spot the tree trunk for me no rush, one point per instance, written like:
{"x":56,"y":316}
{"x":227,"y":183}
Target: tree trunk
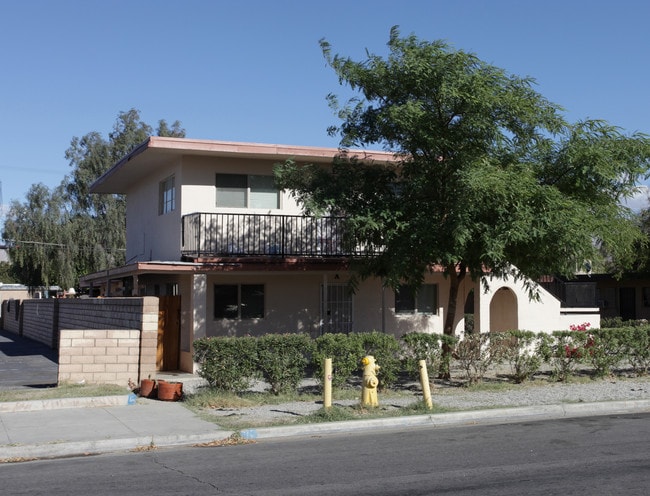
{"x":456,"y":276}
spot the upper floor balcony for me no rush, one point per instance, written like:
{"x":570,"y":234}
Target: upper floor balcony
{"x":256,"y":235}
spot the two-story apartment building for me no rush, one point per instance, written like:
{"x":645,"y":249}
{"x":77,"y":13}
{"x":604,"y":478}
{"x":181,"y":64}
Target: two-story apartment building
{"x":229,"y":254}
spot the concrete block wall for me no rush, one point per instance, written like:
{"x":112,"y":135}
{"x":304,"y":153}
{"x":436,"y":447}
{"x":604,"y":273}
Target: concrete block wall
{"x":100,"y":340}
{"x":106,"y":356}
{"x":11,"y":312}
{"x":108,"y":340}
{"x":149,"y":337}
{"x":102,"y":313}
{"x":39,"y":321}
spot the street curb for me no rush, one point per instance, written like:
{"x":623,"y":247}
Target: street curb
{"x":478,"y":417}
{"x":59,"y":403}
{"x":97,"y":447}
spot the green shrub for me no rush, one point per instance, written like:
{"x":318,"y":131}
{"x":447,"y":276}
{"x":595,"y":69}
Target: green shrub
{"x":637,"y":340}
{"x":385,"y":348}
{"x":420,"y":346}
{"x":282,"y":359}
{"x":611,"y":322}
{"x":618,"y":322}
{"x":605,"y":349}
{"x":345,"y":353}
{"x":477,"y":352}
{"x":520,"y":350}
{"x":227,"y":364}
{"x":563,"y":350}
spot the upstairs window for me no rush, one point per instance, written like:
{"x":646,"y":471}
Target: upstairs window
{"x":422,"y":300}
{"x":167,"y":196}
{"x":247,"y":191}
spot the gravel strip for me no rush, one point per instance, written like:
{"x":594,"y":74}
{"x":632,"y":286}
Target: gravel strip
{"x":460,"y":398}
{"x":547,"y":394}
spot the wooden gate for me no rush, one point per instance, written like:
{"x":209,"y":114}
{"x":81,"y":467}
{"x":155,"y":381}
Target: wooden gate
{"x":169,"y":333}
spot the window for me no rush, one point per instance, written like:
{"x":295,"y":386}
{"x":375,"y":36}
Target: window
{"x":167,"y":196}
{"x":422,"y":300}
{"x":238,"y":301}
{"x":242,"y":191}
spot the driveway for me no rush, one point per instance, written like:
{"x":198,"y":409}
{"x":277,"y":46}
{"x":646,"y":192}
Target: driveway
{"x":25,"y":363}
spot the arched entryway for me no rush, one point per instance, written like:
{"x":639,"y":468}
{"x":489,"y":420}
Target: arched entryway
{"x":503,"y":310}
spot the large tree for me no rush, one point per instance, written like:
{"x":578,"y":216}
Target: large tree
{"x":34,"y":230}
{"x":56,"y":236}
{"x":488,"y":177}
{"x":102,"y":246}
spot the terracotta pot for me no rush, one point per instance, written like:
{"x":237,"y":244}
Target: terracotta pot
{"x":170,"y":391}
{"x":148,"y":388}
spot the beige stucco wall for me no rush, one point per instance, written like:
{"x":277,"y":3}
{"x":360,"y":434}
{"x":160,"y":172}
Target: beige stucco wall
{"x":293,"y":304}
{"x":199,"y":174}
{"x":151,"y":236}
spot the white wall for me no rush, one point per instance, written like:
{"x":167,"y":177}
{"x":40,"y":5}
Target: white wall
{"x":150,"y":236}
{"x":542,"y":315}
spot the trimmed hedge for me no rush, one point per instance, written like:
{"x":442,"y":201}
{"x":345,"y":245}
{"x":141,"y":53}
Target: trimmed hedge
{"x":281,"y":359}
{"x":346,"y":354}
{"x":227,"y":364}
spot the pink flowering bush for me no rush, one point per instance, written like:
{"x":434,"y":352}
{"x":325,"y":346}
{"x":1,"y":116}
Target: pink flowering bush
{"x":563,"y":350}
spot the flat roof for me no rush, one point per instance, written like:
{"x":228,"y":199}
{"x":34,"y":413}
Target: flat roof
{"x":156,"y":151}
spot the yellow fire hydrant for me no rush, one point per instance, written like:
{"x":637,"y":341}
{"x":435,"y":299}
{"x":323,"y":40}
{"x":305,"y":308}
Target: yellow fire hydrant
{"x":369,"y":382}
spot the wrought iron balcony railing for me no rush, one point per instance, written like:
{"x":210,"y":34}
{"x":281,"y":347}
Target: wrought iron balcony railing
{"x":240,"y":235}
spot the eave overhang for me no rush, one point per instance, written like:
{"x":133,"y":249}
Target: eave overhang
{"x":157,"y":151}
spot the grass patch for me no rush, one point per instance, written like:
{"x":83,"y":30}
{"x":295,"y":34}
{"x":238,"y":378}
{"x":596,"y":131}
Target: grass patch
{"x":333,"y":414}
{"x":63,"y":390}
{"x":357,"y":412}
{"x":207,"y":398}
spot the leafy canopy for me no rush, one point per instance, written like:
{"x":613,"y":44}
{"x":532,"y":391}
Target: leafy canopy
{"x":487,"y":175}
{"x":58,"y":235}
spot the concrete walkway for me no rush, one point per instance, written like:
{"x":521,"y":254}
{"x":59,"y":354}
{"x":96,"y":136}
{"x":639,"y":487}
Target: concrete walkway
{"x":98,"y":425}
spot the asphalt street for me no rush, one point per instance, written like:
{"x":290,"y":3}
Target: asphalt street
{"x":599,"y":456}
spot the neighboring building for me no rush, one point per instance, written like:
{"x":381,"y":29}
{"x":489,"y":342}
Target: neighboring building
{"x":13,"y":292}
{"x":229,"y":254}
{"x":627,"y":296}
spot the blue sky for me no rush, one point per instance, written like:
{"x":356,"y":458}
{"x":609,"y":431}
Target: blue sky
{"x":252,"y":70}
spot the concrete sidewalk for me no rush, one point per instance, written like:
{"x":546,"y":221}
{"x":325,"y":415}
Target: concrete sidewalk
{"x":110,"y":424}
{"x":97,"y":425}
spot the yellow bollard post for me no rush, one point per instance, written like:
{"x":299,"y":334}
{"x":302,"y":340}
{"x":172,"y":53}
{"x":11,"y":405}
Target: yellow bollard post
{"x":426,"y":386}
{"x":327,"y":384}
